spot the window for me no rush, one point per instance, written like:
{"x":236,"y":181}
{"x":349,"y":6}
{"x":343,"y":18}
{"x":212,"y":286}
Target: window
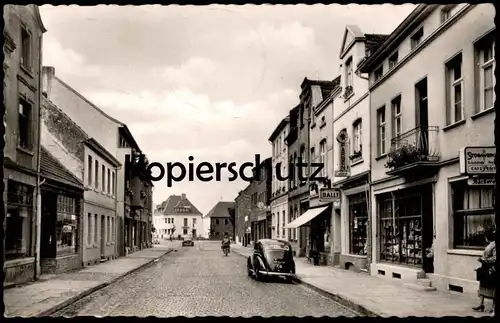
{"x":95,"y":226}
{"x":417,"y":38}
{"x":113,"y":183}
{"x":401,"y":229}
{"x":379,"y":72}
{"x":66,"y":226}
{"x":96,"y":174}
{"x":89,"y":229}
{"x":194,"y":232}
{"x":217,"y":233}
{"x":283,"y":230}
{"x":381,"y":131}
{"x":322,"y":160}
{"x":194,"y":222}
{"x":25,"y":49}
{"x":358,"y":223}
{"x":303,"y":157}
{"x":454,"y":90}
{"x":184,"y":231}
{"x":185,"y":222}
{"x":356,"y":136}
{"x":109,"y":181}
{"x":397,"y":125}
{"x":167,"y":220}
{"x":103,"y":175}
{"x":446,"y":12}
{"x":226,"y":221}
{"x":24,"y":124}
{"x":349,"y":72}
{"x":90,"y":170}
{"x":18,"y":220}
{"x":474,"y":213}
{"x":485,"y":81}
{"x":112,"y":229}
{"x":393,"y":60}
{"x":312,"y":155}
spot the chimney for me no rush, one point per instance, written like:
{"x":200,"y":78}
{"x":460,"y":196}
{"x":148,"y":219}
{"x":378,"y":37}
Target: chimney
{"x":48,"y":73}
{"x":183,"y":196}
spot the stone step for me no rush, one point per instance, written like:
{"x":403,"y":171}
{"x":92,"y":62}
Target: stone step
{"x":422,"y":284}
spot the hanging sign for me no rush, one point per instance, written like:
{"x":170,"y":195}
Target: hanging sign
{"x":478,"y":160}
{"x":479,"y":181}
{"x":329,"y":195}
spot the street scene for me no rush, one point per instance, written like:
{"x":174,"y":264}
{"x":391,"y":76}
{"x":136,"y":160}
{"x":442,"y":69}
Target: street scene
{"x":249,"y":160}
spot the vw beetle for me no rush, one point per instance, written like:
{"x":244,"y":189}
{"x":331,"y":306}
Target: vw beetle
{"x":271,"y":258}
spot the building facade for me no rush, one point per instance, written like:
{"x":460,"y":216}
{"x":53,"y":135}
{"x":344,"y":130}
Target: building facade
{"x":134,"y":205}
{"x":243,"y":209}
{"x":260,"y":199}
{"x":23,"y":33}
{"x":62,"y":195}
{"x":279,"y":187}
{"x":352,"y":154}
{"x":177,"y":217}
{"x":433,"y":145}
{"x":221,"y":220}
{"x":321,"y":149}
{"x":96,"y":168}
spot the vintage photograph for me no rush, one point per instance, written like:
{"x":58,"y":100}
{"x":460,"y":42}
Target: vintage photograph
{"x":249,"y":160}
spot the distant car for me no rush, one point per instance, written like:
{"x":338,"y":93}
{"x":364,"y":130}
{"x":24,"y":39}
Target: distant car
{"x":271,"y":258}
{"x":156,"y":241}
{"x":187,"y":243}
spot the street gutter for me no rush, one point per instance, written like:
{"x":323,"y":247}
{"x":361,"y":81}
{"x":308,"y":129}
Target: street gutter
{"x":94,"y":289}
{"x":342,"y":300}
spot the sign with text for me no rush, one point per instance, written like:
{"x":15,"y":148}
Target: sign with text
{"x":342,"y":173}
{"x":329,"y":195}
{"x":481,"y":181}
{"x":478,"y":160}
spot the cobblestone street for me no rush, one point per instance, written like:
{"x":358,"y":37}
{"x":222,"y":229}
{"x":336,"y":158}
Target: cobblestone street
{"x":200,"y":281}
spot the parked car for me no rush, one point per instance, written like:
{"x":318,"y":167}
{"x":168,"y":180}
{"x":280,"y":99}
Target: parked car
{"x":271,"y":258}
{"x":188,"y":243}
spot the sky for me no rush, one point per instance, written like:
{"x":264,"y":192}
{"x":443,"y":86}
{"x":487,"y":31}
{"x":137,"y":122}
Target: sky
{"x":210,"y":82}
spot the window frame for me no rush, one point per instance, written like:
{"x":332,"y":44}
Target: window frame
{"x":357,"y":131}
{"x":28,"y":66}
{"x":414,"y":42}
{"x":96,"y":170}
{"x":451,"y":85}
{"x":397,"y":116}
{"x":90,"y":171}
{"x":381,"y":131}
{"x":393,"y":62}
{"x":486,"y":42}
{"x":25,"y":104}
{"x":349,"y":70}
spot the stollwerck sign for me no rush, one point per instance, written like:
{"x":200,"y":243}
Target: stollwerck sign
{"x":478,"y":160}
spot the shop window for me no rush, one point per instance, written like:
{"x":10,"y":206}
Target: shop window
{"x":358,"y":223}
{"x":474,"y":214}
{"x":66,"y":226}
{"x":18,"y":220}
{"x":401,"y":229}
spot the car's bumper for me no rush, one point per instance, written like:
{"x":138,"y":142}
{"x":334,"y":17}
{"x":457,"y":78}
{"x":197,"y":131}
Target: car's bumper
{"x":273,"y":273}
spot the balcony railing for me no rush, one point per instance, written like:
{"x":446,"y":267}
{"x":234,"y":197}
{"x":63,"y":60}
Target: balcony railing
{"x":417,"y":145}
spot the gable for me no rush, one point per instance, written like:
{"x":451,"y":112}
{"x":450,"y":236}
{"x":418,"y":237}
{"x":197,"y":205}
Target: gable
{"x":175,"y":205}
{"x":351,"y":34}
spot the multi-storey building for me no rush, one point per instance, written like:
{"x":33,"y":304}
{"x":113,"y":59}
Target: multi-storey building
{"x":312,"y":93}
{"x":133,"y":192}
{"x":432,"y":124}
{"x":260,"y":216}
{"x":177,"y":217}
{"x":243,"y":209}
{"x":321,"y":144}
{"x":22,"y":92}
{"x":279,"y":187}
{"x":351,"y":130}
{"x":221,"y":220}
{"x":74,"y":235}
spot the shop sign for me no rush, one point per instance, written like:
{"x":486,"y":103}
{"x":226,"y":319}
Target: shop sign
{"x":481,"y":181}
{"x":261,"y":217}
{"x":329,"y":195}
{"x":246,"y":218}
{"x":67,"y":228}
{"x":477,"y":160}
{"x":249,"y":230}
{"x":263,"y":206}
{"x":342,"y":173}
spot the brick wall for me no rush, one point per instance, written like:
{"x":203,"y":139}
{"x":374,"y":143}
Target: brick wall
{"x":221,"y":228}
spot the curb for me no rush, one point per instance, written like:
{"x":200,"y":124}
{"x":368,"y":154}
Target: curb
{"x":87,"y":292}
{"x":335,"y":297}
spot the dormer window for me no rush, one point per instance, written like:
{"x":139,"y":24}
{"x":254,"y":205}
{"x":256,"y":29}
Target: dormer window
{"x":417,"y":37}
{"x":393,"y":60}
{"x":446,"y":12}
{"x":379,"y":72}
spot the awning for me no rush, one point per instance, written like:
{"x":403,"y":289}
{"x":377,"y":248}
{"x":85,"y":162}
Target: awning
{"x":306,"y":217}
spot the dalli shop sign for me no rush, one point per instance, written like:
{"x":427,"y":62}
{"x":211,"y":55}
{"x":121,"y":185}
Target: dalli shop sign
{"x":478,"y":160}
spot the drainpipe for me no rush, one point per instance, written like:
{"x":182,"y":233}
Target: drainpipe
{"x":38,"y":221}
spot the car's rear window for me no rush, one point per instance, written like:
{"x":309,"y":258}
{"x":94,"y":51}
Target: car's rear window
{"x":275,"y":254}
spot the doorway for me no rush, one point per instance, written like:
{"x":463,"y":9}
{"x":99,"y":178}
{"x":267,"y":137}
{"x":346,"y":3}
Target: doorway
{"x":422,"y":116}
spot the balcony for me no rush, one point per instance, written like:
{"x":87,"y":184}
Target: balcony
{"x":414,"y":152}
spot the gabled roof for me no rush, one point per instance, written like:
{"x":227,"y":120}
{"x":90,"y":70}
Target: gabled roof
{"x":168,"y":206}
{"x":280,"y":127}
{"x":51,"y":168}
{"x":353,"y":34}
{"x":220,"y":210}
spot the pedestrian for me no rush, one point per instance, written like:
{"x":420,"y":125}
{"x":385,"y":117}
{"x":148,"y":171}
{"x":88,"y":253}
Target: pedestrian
{"x":486,"y":274}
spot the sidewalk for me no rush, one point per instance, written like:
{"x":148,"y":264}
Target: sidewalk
{"x":375,"y":296}
{"x":53,"y":292}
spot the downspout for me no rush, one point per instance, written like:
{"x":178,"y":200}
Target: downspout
{"x":38,"y":220}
